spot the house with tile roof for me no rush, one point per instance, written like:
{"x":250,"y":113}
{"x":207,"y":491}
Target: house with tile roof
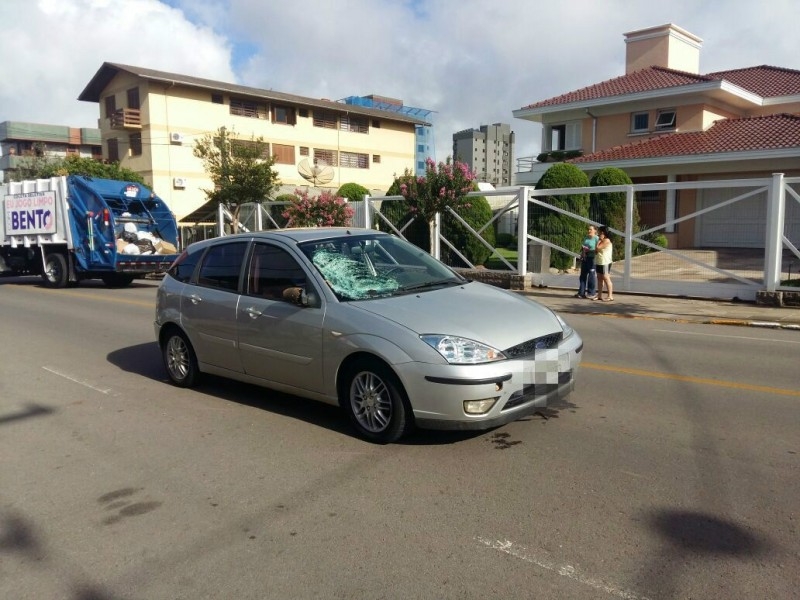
{"x":663,"y":121}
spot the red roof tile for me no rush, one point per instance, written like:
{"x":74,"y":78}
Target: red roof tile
{"x":763,"y":80}
{"x":766,"y":81}
{"x":771,"y":132}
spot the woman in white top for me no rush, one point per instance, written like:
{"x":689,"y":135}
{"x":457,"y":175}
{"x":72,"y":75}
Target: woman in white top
{"x":603,"y":265}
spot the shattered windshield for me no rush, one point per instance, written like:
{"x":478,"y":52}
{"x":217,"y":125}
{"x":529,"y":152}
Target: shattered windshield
{"x":362,"y":267}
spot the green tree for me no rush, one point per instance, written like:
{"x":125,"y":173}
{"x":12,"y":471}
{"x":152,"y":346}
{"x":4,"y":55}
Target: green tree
{"x":609,"y":208}
{"x":239,"y":169}
{"x":444,"y":185}
{"x":560,"y":229}
{"x":40,"y":167}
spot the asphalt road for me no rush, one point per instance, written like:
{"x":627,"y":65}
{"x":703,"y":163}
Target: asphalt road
{"x":672,"y":472}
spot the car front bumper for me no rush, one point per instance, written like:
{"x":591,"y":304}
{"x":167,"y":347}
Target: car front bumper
{"x":521,"y":387}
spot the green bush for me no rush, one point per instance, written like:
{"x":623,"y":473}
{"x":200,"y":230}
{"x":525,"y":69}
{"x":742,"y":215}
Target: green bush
{"x":352,"y":191}
{"x":559,"y":229}
{"x":476,"y":212}
{"x":608,"y":208}
{"x":504,"y":240}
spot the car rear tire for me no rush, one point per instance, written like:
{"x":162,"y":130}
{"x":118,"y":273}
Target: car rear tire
{"x":55,"y":273}
{"x":375,"y":402}
{"x":180,"y":360}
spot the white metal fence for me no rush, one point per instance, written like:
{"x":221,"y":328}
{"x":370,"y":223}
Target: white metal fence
{"x":722,"y":271}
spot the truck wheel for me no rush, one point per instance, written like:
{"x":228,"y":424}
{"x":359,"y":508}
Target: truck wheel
{"x":180,"y":360}
{"x":116,"y":280}
{"x":55,"y":273}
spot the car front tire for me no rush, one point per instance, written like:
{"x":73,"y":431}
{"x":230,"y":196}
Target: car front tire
{"x":374,"y":400}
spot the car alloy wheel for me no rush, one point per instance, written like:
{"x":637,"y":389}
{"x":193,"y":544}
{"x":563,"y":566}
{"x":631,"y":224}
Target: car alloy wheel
{"x":180,"y":360}
{"x":376,"y":404}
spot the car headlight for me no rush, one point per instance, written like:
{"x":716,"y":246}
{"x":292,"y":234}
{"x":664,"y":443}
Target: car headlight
{"x":462,"y":351}
{"x":566,"y":329}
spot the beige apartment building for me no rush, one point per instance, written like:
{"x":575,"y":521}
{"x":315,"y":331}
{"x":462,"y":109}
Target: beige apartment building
{"x":664,"y":121}
{"x":150,"y":121}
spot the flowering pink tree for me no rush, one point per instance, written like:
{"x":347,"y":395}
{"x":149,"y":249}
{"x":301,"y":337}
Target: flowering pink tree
{"x":326,"y":210}
{"x":444,"y":185}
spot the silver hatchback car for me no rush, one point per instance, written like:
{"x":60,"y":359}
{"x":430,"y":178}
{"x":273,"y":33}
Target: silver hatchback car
{"x":365,"y":320}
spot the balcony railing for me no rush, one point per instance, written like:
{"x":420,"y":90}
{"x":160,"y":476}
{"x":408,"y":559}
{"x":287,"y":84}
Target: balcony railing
{"x":126,"y":118}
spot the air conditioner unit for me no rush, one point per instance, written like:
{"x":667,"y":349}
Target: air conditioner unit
{"x":175,"y":137}
{"x":179,"y":182}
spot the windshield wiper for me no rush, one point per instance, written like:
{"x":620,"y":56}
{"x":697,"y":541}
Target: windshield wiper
{"x":430,"y":284}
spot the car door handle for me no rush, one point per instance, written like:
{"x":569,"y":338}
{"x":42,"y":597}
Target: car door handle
{"x":253,"y":312}
{"x":195,"y":299}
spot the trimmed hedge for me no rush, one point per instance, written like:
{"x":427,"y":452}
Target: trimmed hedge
{"x":559,"y":229}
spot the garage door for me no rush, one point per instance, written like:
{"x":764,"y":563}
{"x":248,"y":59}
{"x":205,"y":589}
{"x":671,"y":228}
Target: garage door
{"x":742,"y":224}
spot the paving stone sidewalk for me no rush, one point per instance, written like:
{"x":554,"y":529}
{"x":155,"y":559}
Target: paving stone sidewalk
{"x":670,"y":308}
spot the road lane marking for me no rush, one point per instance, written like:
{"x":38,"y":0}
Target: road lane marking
{"x":738,"y":337}
{"x":690,"y":379}
{"x":86,"y":296}
{"x":522,"y":553}
{"x":107,"y":391}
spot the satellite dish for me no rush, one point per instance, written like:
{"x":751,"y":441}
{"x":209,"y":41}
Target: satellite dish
{"x":318,"y":174}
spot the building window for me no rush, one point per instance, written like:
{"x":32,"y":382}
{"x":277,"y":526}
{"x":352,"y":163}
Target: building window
{"x":376,"y":158}
{"x":354,"y":123}
{"x":133,"y":98}
{"x":420,"y":147}
{"x":302,"y":112}
{"x":246,"y":108}
{"x":284,"y":155}
{"x":303,"y":150}
{"x":640,"y":122}
{"x":217,"y":99}
{"x":325,"y":157}
{"x":376,"y":123}
{"x":558,"y":137}
{"x":665,"y":119}
{"x":111,"y":105}
{"x":135,"y":141}
{"x":113,"y":150}
{"x":565,"y":137}
{"x":354,"y":160}
{"x":283,"y":114}
{"x":324,"y":118}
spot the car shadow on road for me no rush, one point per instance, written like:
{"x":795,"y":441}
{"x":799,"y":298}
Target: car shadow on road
{"x":145,"y":360}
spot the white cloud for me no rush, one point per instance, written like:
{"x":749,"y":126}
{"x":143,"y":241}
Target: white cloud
{"x":471,"y":61}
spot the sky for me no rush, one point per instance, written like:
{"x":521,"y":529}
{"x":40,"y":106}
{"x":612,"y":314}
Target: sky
{"x":472,"y":62}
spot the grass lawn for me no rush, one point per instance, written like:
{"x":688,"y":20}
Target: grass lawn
{"x":495,"y":263}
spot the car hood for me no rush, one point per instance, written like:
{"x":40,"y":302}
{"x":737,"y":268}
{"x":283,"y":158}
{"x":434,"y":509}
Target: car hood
{"x":477,"y":311}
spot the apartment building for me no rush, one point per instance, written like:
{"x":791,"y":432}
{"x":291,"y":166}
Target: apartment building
{"x":664,"y":121}
{"x":150,"y":121}
{"x":21,"y":142}
{"x":489,"y":152}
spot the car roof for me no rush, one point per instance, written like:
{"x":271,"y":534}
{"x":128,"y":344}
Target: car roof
{"x":296,"y":234}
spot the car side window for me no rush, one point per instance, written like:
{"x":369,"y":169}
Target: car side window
{"x":183,"y":267}
{"x":221,"y":266}
{"x":272,"y":270}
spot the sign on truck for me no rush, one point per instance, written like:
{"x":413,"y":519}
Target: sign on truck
{"x":75,"y":227}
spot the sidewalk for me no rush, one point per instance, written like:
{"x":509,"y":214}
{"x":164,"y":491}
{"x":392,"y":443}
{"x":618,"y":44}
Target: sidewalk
{"x":669,"y":308}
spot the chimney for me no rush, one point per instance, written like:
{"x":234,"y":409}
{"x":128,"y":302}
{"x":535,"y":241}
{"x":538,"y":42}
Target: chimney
{"x":663,"y":46}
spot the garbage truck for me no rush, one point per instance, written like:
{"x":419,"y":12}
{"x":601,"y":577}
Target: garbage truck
{"x":76,"y":227}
